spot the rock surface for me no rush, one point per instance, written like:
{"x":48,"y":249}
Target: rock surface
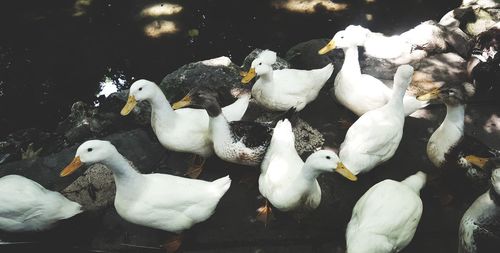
{"x":219,"y":74}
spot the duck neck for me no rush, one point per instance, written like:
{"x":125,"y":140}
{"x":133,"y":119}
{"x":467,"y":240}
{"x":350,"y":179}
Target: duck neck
{"x":494,"y":195}
{"x":160,"y":107}
{"x":122,"y":170}
{"x":219,"y":128}
{"x":454,"y":117}
{"x":398,"y":92}
{"x":310,"y":173}
{"x":415,"y":182}
{"x":267,"y":77}
{"x":351,"y":61}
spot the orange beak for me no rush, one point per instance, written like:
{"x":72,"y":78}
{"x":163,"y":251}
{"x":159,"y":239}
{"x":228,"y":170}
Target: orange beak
{"x":72,"y":167}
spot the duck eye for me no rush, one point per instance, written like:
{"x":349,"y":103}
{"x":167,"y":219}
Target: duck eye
{"x":328,"y":157}
{"x":260,"y":63}
{"x":89,"y":149}
{"x":140,"y":88}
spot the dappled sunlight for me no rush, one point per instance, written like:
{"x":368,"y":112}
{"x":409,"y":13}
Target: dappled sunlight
{"x":492,"y":125}
{"x":159,"y":28}
{"x":80,"y":7}
{"x":304,"y":6}
{"x":220,"y":61}
{"x":161,"y":9}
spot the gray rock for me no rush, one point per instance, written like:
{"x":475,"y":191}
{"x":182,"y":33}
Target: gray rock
{"x":219,"y":74}
{"x":87,"y":121}
{"x":94,"y":190}
{"x":140,"y":148}
{"x":307,"y":139}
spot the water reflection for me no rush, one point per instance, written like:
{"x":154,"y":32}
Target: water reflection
{"x":160,"y":27}
{"x":163,"y":9}
{"x":80,"y":7}
{"x":308,"y":6}
{"x":113,"y":81}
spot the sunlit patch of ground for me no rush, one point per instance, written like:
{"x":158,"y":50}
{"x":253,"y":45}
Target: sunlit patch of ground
{"x":161,"y":9}
{"x":304,"y":6}
{"x":492,"y":125}
{"x":160,"y":27}
{"x":80,"y":7}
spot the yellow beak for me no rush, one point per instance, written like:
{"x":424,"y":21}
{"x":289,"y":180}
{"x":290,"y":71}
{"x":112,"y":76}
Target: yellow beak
{"x":476,"y":160}
{"x":428,"y":96}
{"x":72,"y":167}
{"x":185,"y":101}
{"x":342,"y":170}
{"x":249,"y":76}
{"x":131,"y":102}
{"x":329,"y":47}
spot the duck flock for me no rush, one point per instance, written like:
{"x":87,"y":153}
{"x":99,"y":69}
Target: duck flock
{"x":384,"y":219}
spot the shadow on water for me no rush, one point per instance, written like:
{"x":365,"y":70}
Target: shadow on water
{"x":53,"y":53}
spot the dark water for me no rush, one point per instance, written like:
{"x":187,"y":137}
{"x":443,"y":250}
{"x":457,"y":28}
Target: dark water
{"x":56,"y":52}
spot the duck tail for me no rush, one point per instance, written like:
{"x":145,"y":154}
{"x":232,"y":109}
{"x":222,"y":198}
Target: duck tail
{"x":290,"y":115}
{"x":222,"y":184}
{"x":283,"y":132}
{"x":416,"y":181}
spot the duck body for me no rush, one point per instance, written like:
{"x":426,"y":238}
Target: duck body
{"x":386,"y":217}
{"x":160,"y":201}
{"x":351,"y":87}
{"x":186,"y":129}
{"x":287,"y":181}
{"x":28,"y":206}
{"x":279,"y":90}
{"x":359,"y":92}
{"x":241,"y":142}
{"x":408,"y":47}
{"x":168,"y":202}
{"x":282,"y":89}
{"x":375,"y":136}
{"x":479,"y":230}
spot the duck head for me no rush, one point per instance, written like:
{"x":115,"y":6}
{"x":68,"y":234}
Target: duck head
{"x":92,"y":151}
{"x":260,"y":65}
{"x":328,"y":161}
{"x":352,"y":36}
{"x":201,"y":98}
{"x":140,"y":90}
{"x":450,"y":94}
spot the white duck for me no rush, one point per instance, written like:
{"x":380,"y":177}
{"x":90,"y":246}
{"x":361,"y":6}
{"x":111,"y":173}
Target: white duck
{"x":405,"y":48}
{"x":160,"y":201}
{"x":356,"y":91}
{"x":288,"y":182}
{"x":279,"y":90}
{"x":183,"y":130}
{"x":28,"y":206}
{"x":375,"y":136}
{"x":385,"y":218}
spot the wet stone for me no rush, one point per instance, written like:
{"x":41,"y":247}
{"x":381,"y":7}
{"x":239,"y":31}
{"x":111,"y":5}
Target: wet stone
{"x":219,"y":74}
